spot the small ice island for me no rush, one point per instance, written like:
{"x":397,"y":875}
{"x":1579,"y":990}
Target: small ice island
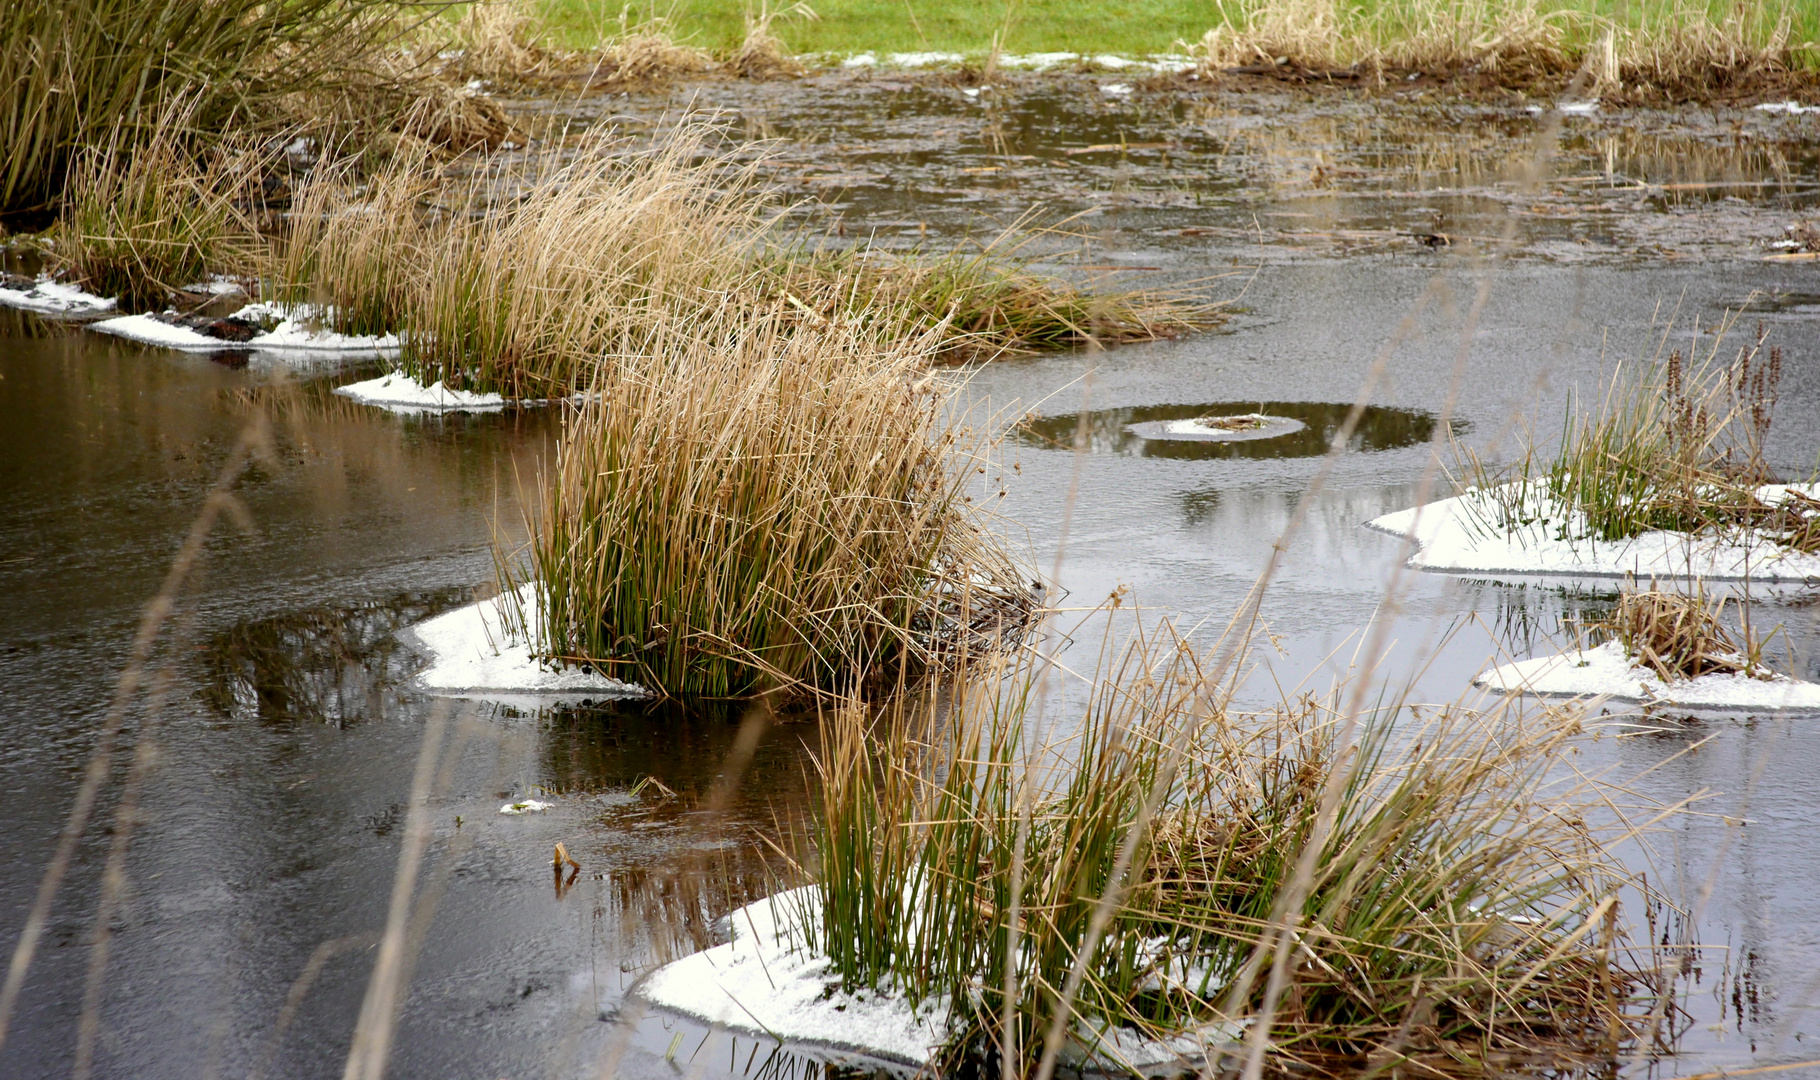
{"x":1609,"y":671}
{"x":1505,"y":531}
{"x":479,"y":652}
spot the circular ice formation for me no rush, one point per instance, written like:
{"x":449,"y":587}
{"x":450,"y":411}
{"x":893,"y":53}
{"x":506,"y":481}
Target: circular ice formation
{"x":1230,"y":428}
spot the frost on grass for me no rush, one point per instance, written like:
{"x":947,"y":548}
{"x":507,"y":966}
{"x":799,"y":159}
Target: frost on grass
{"x":402,"y":393}
{"x":767,"y":980}
{"x":1509,"y":531}
{"x":1609,"y":671}
{"x":477,"y":651}
{"x":274,"y":327}
{"x":47,"y":297}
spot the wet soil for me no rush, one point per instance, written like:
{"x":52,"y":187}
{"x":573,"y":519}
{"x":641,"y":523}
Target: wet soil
{"x":270,"y":830}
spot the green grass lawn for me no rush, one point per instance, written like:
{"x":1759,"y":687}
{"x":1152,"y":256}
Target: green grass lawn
{"x":966,"y":26}
{"x":1129,"y":27}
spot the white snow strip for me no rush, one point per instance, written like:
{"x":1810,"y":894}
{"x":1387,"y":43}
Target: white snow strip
{"x":1115,"y":89}
{"x":475,"y":653}
{"x":1462,"y":535}
{"x":923,"y":59}
{"x":49,"y":297}
{"x":767,"y":981}
{"x":403,"y":394}
{"x":860,"y":60}
{"x":1606,"y":671}
{"x":298,"y":329}
{"x":525,"y":806}
{"x":1788,"y":108}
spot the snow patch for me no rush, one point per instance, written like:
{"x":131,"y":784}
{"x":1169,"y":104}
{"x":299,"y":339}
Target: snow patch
{"x":525,"y":806}
{"x":403,"y":394}
{"x":1607,"y":671}
{"x":767,"y":981}
{"x":1787,"y":108}
{"x":48,"y":297}
{"x":924,"y":59}
{"x":285,"y":328}
{"x":1114,"y":89}
{"x":1463,"y":535}
{"x":475,"y":652}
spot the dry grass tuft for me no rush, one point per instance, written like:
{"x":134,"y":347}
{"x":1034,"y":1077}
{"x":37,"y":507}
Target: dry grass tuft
{"x":1663,"y":50}
{"x":991,"y":300}
{"x":1681,"y":636}
{"x":762,"y":55}
{"x":497,"y":42}
{"x":748,"y":506}
{"x":1463,"y":911}
{"x":141,"y":219}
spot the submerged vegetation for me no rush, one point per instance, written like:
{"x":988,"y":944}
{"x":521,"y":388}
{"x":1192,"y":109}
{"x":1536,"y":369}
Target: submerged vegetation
{"x":1674,"y":445}
{"x":1447,"y":902}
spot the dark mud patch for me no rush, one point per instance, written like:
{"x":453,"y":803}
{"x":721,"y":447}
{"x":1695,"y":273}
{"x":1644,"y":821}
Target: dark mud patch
{"x":1162,"y":431}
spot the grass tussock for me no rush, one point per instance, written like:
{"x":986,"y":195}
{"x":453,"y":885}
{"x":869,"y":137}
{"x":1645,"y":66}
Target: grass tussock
{"x":762,"y":54}
{"x":522,"y":294}
{"x":754,"y":506}
{"x":518,"y":282}
{"x":94,"y":73}
{"x":1681,"y":636}
{"x":1461,"y":913}
{"x":1674,"y":445}
{"x":992,"y":301}
{"x":1664,"y":49}
{"x":141,"y":223}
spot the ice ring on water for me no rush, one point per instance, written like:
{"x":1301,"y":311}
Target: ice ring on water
{"x":1234,"y":428}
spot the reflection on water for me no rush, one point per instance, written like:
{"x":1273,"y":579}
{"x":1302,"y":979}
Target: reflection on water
{"x":323,"y":665}
{"x":1110,"y":431}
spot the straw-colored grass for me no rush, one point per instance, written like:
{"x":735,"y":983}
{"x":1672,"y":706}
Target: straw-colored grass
{"x":750,"y":505}
{"x":516,"y":282}
{"x":93,"y":73}
{"x":1681,"y":636}
{"x":1666,"y":49}
{"x":993,"y":300}
{"x":140,"y":222}
{"x":1461,"y":911}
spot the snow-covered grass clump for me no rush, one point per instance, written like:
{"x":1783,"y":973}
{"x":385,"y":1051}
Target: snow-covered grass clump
{"x":1529,"y":531}
{"x":1667,"y":478}
{"x":1610,"y":671}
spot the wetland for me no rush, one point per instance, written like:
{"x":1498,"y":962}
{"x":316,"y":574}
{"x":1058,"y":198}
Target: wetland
{"x":1457,"y":270}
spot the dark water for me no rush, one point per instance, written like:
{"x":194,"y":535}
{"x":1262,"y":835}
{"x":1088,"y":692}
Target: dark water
{"x":270,"y":827}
